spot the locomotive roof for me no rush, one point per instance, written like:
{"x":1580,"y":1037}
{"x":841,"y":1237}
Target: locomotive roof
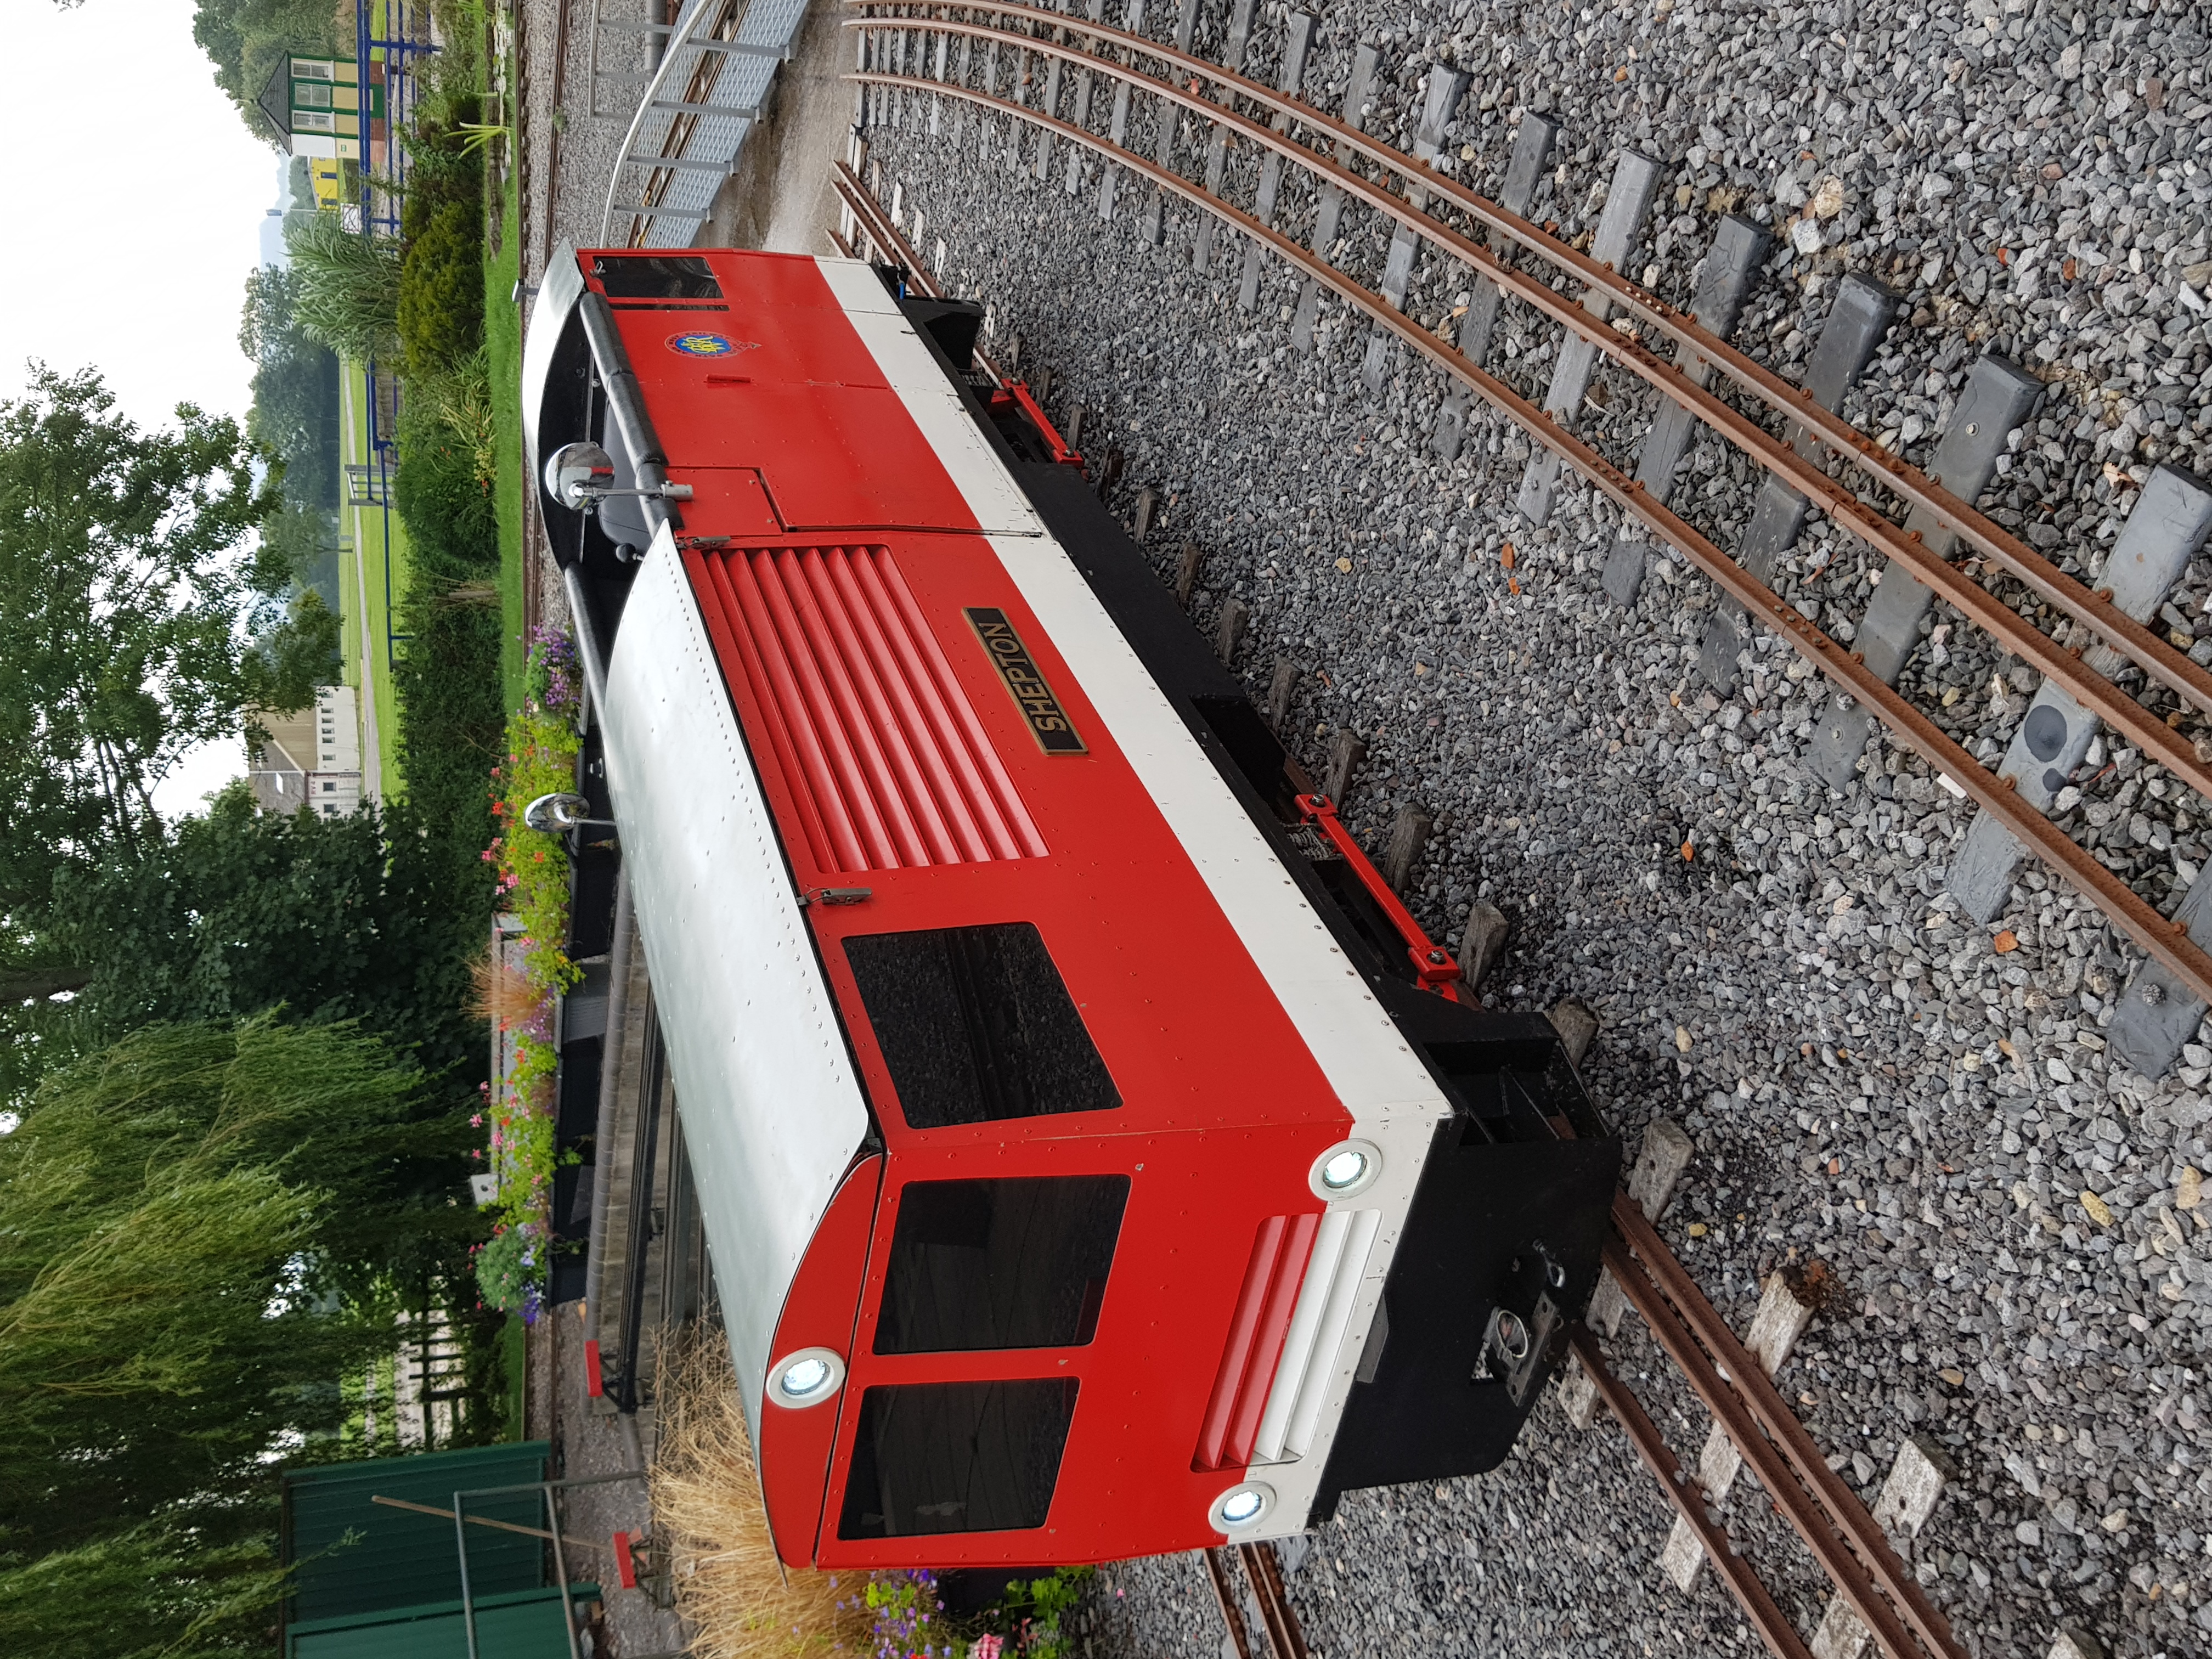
{"x":773,"y":1115}
{"x":773,"y":1111}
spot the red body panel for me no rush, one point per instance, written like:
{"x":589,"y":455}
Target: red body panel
{"x":794,"y":1445}
{"x":1224,"y":1108}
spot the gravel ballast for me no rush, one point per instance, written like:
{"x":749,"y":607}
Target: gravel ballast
{"x":1873,"y":1080}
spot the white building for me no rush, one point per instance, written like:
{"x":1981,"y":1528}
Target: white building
{"x":313,"y":758}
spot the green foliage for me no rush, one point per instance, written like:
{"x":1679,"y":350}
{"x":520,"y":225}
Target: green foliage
{"x":298,"y":641}
{"x":190,"y":1223}
{"x":451,"y":717}
{"x":1030,"y":1618}
{"x":228,"y":915}
{"x":346,"y":291}
{"x":148,"y":1592}
{"x":510,"y":1265}
{"x":905,"y":1613}
{"x":121,"y":614}
{"x":441,"y":290}
{"x":299,"y":548}
{"x":533,"y":880}
{"x":451,"y":725}
{"x":442,"y":489}
{"x":295,"y":389}
{"x":440,"y":308}
{"x":533,"y":865}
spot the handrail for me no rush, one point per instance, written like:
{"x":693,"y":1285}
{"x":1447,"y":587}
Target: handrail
{"x":677,"y":42}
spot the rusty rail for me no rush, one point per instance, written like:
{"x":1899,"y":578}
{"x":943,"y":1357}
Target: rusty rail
{"x":2159,"y":936}
{"x":1835,"y":1526}
{"x":1912,"y":487}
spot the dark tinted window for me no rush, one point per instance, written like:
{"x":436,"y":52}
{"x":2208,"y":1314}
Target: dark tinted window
{"x":663,"y":277}
{"x":1017,"y":1263}
{"x":957,"y":1457}
{"x":976,"y":1026}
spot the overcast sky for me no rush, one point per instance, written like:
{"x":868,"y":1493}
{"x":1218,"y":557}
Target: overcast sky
{"x":135,"y":215}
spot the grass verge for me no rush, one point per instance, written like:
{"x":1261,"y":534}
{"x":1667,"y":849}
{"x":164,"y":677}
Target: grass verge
{"x":379,"y":540}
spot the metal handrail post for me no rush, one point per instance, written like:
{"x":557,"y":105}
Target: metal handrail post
{"x":561,"y":1573}
{"x":700,"y":10}
{"x":545,"y":1489}
{"x":363,"y":104}
{"x":468,"y":1597}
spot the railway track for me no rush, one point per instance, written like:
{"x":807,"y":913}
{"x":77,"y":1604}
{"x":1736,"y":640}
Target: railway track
{"x":1875,"y":1593}
{"x":1051,"y":63}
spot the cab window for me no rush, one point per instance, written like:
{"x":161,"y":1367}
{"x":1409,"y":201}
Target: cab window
{"x":976,"y":1026}
{"x":1017,"y":1262}
{"x":935,"y":1457}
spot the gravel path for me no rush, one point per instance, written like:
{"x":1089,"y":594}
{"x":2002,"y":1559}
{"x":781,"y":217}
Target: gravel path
{"x":1869,"y":1081}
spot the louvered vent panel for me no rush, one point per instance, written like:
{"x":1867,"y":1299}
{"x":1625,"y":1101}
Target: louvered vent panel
{"x":876,"y":739}
{"x":1270,"y":1294}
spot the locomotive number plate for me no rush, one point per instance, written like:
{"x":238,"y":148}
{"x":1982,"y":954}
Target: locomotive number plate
{"x":1048,"y":721}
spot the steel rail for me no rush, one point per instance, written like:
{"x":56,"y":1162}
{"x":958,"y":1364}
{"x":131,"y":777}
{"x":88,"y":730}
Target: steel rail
{"x":2091,"y":689}
{"x":2160,"y":937}
{"x":1759,"y":1605}
{"x":2156,"y":656}
{"x":1265,"y":1573}
{"x":1685,"y":1307}
{"x":1225,"y":1593}
{"x":1775,"y":1473}
{"x":886,"y":235}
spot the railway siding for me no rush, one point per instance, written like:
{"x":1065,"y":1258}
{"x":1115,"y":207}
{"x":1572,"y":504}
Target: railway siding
{"x":1872,"y":1076}
{"x":1865,"y":1100}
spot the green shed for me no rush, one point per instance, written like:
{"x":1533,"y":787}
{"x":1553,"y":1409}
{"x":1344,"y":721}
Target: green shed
{"x":382,"y":1580}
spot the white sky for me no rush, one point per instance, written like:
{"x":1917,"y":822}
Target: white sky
{"x":149,"y":203}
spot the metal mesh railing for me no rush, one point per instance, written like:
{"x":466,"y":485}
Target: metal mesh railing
{"x":693,"y":115}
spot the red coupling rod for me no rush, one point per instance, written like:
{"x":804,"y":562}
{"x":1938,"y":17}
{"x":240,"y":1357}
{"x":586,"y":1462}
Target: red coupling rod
{"x":1019,"y":391}
{"x":1433,"y":963}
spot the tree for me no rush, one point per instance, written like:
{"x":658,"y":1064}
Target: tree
{"x":124,"y":615}
{"x":295,"y":389}
{"x":236,"y":912}
{"x":155,"y":1591}
{"x":197,"y":1235}
{"x":194,"y":1227}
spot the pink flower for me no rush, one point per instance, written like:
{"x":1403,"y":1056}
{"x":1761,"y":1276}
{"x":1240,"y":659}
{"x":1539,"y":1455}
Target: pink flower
{"x":476,"y":1121}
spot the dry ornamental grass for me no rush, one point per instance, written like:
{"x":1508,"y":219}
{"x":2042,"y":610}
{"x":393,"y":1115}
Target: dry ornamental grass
{"x":500,"y":992}
{"x":706,"y":1505}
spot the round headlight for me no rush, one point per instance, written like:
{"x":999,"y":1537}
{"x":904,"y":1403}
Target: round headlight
{"x":806,"y":1378}
{"x":1345,"y":1169}
{"x":1242,"y":1508}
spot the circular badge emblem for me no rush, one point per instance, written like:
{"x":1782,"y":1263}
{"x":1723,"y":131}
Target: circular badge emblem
{"x":700,"y":345}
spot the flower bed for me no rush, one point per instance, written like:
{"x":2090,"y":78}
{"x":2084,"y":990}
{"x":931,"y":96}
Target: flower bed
{"x":534,"y":884}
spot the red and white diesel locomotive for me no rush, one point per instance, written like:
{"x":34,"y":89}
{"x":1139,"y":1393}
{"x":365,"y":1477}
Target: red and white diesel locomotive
{"x":1094,"y":1158}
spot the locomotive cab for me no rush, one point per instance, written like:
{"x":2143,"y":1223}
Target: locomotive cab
{"x":1086,"y":1169}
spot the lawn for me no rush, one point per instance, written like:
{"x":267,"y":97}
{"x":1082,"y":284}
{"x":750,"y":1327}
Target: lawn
{"x":374,"y":536}
{"x":503,"y":336}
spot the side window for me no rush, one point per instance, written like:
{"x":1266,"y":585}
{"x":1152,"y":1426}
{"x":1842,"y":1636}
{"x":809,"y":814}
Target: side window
{"x":1014,"y":1263}
{"x":957,"y":1457}
{"x":657,"y":277}
{"x":976,"y":1026}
